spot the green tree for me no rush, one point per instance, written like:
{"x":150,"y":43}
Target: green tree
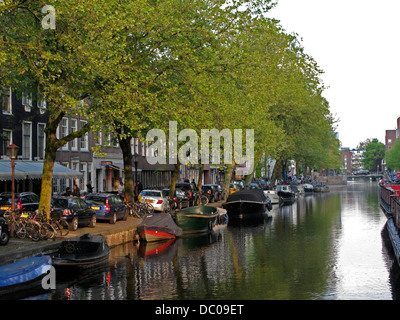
{"x":373,"y":150}
{"x":392,"y":156}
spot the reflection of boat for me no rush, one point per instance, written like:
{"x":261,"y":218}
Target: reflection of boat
{"x":158,"y":226}
{"x":285,"y":194}
{"x":247,"y":204}
{"x":272,"y":195}
{"x":196,"y":219}
{"x":83,"y":252}
{"x":155,"y":248}
{"x":23,"y":275}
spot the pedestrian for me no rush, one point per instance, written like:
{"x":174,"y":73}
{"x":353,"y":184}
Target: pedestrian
{"x":67,"y":192}
{"x":76,"y":191}
{"x":121,"y":188}
{"x":89,"y":187}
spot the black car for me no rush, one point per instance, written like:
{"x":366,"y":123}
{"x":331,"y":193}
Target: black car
{"x":180,"y":198}
{"x":24,"y":201}
{"x":73,"y":210}
{"x":191,"y":192}
{"x":108,"y":206}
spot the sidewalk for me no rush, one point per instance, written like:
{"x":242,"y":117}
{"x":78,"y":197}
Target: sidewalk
{"x":20,"y":248}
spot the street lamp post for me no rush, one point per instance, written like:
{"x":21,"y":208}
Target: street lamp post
{"x":13,"y":152}
{"x":135,"y":160}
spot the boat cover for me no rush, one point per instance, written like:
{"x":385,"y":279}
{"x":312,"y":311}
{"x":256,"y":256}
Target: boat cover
{"x":24,"y":270}
{"x":254,"y":195}
{"x":161,"y":221}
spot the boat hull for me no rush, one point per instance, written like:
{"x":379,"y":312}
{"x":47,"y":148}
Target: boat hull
{"x":198,"y":219}
{"x":245,"y":210}
{"x":85,"y":252}
{"x":23,"y":276}
{"x":151,"y":234}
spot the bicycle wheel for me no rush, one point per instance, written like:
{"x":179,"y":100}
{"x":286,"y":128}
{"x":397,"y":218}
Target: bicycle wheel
{"x":33,"y":230}
{"x":19,"y":229}
{"x":149,"y":209}
{"x":204,"y":200}
{"x":47,"y":231}
{"x":61,"y":228}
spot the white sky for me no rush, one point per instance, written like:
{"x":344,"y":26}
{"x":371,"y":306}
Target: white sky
{"x":356,"y":43}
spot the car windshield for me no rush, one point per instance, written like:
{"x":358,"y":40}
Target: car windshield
{"x":151,"y":193}
{"x":60,"y":203}
{"x":96,"y":200}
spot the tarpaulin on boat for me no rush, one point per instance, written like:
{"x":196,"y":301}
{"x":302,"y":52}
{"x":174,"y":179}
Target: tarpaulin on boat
{"x":163,"y":221}
{"x":254,"y":195}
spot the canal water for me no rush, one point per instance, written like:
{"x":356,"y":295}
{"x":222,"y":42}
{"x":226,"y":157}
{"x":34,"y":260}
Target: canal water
{"x":330,"y":246}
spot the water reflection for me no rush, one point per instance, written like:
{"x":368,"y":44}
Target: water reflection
{"x":324,"y":246}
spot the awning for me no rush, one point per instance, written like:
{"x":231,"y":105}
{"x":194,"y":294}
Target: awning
{"x":33,"y":170}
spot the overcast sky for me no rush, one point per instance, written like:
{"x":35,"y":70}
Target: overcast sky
{"x":356,"y":43}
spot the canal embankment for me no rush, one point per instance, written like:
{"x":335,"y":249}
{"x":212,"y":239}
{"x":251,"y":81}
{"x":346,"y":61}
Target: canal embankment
{"x":116,"y":234}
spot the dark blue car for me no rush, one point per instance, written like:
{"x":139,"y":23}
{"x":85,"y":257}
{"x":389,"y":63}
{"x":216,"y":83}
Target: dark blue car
{"x":108,"y":206}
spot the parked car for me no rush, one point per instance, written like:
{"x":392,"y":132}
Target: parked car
{"x":254,"y":185}
{"x":180,"y":198}
{"x":264,"y":185}
{"x":233,"y":188}
{"x":191,"y":192}
{"x":156,"y":198}
{"x":239,"y":184}
{"x":74,"y":210}
{"x":108,"y":206}
{"x":24,"y":201}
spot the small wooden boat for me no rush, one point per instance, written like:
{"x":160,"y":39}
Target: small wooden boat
{"x":247,"y":204}
{"x":24,"y":275}
{"x":83,"y":252}
{"x":285,"y":194}
{"x":158,"y":226}
{"x":196,"y":219}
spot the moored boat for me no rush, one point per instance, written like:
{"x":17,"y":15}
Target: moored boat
{"x":285,"y":194}
{"x":272,"y":195}
{"x":196,"y":219}
{"x":320,"y":187}
{"x":158,"y":226}
{"x":23,"y":275}
{"x":83,"y":252}
{"x":247,"y":204}
{"x":308,"y":188}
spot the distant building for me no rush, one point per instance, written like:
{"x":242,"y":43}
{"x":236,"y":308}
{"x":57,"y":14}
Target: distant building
{"x":352,"y":160}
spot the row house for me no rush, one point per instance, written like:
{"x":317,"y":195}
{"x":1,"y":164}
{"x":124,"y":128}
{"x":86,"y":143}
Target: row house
{"x":23,"y":122}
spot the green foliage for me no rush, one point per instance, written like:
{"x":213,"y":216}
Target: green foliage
{"x":392,"y":156}
{"x":373,"y":150}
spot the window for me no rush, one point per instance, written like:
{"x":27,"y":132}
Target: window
{"x":64,"y":131}
{"x":84,"y":138}
{"x":74,"y":127}
{"x":27,"y":141}
{"x":41,"y":141}
{"x":5,"y":100}
{"x":42,"y":105}
{"x":27,"y":101}
{"x":98,"y":138}
{"x":7,"y":140}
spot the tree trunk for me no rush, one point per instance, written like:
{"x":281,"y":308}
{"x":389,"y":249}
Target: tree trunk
{"x":174,"y":179}
{"x":227,"y":178}
{"x":200,"y":179}
{"x":125,"y":144}
{"x":47,"y":174}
